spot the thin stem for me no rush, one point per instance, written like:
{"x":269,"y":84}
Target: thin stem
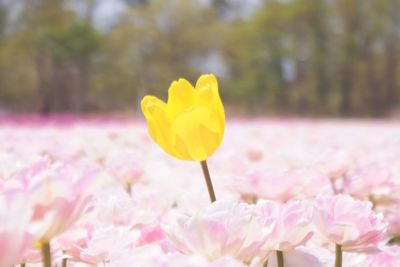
{"x":333,"y":185}
{"x":23,"y":264}
{"x":338,"y":260}
{"x":279,"y":258}
{"x":206,"y":173}
{"x":128,"y":188}
{"x":64,"y":262}
{"x":373,"y":201}
{"x":46,"y":254}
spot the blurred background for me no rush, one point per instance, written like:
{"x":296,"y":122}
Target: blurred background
{"x":317,"y":58}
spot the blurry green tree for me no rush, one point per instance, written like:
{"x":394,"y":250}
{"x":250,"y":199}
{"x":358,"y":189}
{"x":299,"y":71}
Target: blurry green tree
{"x":303,"y":57}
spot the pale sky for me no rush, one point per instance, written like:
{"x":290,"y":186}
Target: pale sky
{"x":107,"y":11}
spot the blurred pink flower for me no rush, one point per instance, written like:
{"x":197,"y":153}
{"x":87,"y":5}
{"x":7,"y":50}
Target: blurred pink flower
{"x":15,"y":239}
{"x":152,"y":255}
{"x":225,"y":228}
{"x":125,"y":167}
{"x":367,"y":180}
{"x":268,"y":183}
{"x":102,"y":242}
{"x":335,"y":160}
{"x":388,"y":257}
{"x":59,"y":196}
{"x":116,"y":207}
{"x":76,"y":237}
{"x":147,"y":197}
{"x":21,"y":178}
{"x":9,"y":165}
{"x":351,"y":223}
{"x":280,"y":184}
{"x":94,"y":244}
{"x":151,"y":233}
{"x":144,"y":256}
{"x":292,"y":224}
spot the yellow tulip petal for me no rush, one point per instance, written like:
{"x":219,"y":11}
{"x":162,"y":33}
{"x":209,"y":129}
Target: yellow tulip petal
{"x":196,"y":140}
{"x":181,"y":148}
{"x":154,"y":112}
{"x":181,"y":96}
{"x":157,"y":121}
{"x":205,"y":83}
{"x":207,"y":80}
{"x":186,"y":139}
{"x":211,"y":139}
{"x":205,"y":96}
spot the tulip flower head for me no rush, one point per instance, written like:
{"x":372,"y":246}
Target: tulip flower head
{"x":190,"y":126}
{"x":225,"y":228}
{"x":348,"y":222}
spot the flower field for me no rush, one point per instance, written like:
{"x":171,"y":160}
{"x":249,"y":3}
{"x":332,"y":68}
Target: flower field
{"x":101,"y":193}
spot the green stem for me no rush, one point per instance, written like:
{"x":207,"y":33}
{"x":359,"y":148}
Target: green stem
{"x":46,"y":254}
{"x":338,"y":260}
{"x":279,"y":258}
{"x":206,"y":173}
{"x":64,"y":262}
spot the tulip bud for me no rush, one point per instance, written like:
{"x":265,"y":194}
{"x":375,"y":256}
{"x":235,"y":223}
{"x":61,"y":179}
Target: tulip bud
{"x":190,"y":126}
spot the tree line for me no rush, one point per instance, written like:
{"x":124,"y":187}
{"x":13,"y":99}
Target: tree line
{"x":294,"y":57}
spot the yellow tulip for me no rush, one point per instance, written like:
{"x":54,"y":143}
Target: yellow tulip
{"x":190,"y":126}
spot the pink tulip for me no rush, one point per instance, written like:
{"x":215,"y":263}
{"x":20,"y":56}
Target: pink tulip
{"x":280,"y":184}
{"x":116,"y":207}
{"x":102,"y":242}
{"x":9,"y":165}
{"x":292,"y":224}
{"x":75,"y":238}
{"x":179,"y":260}
{"x":149,"y":255}
{"x":125,"y":167}
{"x":368,"y":180}
{"x":151,"y":233}
{"x":152,"y":255}
{"x":259,"y":184}
{"x":15,"y":238}
{"x":225,"y":228}
{"x":147,"y":197}
{"x":335,"y":160}
{"x":388,"y":257}
{"x":59,"y":196}
{"x":94,"y":244}
{"x":348,"y":222}
{"x":21,"y":177}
